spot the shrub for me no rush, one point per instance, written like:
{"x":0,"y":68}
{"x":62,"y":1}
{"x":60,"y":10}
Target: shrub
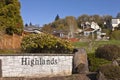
{"x":107,"y":31}
{"x":95,"y":63}
{"x":45,"y":43}
{"x":110,"y":71}
{"x":115,"y":35}
{"x":109,"y":52}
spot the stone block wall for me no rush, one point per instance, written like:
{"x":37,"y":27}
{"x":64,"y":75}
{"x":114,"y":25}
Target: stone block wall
{"x":32,"y":65}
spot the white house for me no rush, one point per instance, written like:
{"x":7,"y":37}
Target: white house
{"x":115,"y":23}
{"x":94,"y":27}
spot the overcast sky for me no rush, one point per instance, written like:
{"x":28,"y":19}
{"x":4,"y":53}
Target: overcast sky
{"x":44,"y":11}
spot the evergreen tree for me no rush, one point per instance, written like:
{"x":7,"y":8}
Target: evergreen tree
{"x":10,"y":18}
{"x":26,"y":25}
{"x":57,"y":17}
{"x":30,"y":24}
{"x":118,"y":15}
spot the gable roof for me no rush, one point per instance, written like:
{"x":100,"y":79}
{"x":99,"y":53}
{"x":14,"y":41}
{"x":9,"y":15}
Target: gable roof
{"x":89,"y":29}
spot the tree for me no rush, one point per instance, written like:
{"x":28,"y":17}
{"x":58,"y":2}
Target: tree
{"x":83,"y":18}
{"x":72,"y":25}
{"x":26,"y":25}
{"x":30,"y":24}
{"x":59,"y":25}
{"x":57,"y":17}
{"x":99,"y":20}
{"x":47,"y":28}
{"x":107,"y":19}
{"x":11,"y":20}
{"x":118,"y":15}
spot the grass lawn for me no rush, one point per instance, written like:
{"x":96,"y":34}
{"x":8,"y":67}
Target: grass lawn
{"x":93,"y":45}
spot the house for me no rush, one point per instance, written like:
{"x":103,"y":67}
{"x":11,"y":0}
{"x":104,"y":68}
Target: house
{"x":94,"y":29}
{"x":115,"y":23}
{"x":95,"y":26}
{"x":32,"y":29}
{"x":88,"y":31}
{"x":60,"y":33}
{"x":91,"y":29}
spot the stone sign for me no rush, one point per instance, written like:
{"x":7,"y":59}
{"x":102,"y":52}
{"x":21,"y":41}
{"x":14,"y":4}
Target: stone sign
{"x":36,"y":65}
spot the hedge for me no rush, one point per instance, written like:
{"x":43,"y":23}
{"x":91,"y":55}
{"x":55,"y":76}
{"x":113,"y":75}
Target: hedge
{"x":45,"y":43}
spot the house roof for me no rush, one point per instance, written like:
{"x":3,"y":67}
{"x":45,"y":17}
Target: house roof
{"x":89,"y":29}
{"x":31,"y":28}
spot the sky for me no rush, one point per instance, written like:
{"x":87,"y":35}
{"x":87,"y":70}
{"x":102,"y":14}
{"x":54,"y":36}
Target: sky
{"x":40,"y":12}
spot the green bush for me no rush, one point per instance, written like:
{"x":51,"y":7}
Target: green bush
{"x":110,"y":71}
{"x":109,"y":52}
{"x":107,"y":31}
{"x":45,"y":43}
{"x":95,"y":63}
{"x":115,"y":35}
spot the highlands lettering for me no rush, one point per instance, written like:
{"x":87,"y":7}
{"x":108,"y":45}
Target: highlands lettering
{"x":38,"y":61}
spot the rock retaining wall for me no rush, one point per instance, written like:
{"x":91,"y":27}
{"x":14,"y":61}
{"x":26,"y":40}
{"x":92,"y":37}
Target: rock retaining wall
{"x":43,"y":65}
{"x":36,"y":65}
